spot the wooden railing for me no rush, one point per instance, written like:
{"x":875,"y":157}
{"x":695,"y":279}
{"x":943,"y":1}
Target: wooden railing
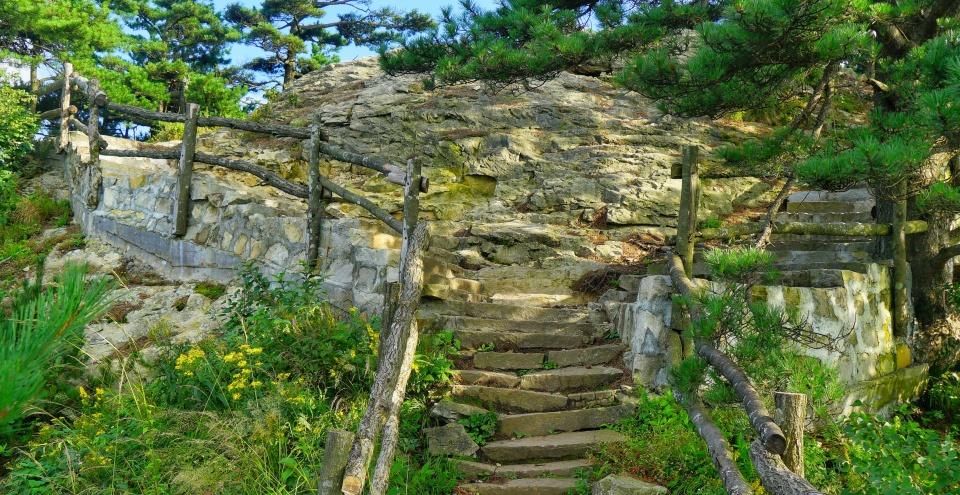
{"x":777,"y":452}
{"x":315,"y":192}
{"x":399,"y":339}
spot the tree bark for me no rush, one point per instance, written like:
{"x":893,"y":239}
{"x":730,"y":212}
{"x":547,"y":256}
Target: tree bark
{"x":771,"y":436}
{"x":34,"y":85}
{"x":776,"y":478}
{"x":314,"y":202}
{"x":790,"y":414}
{"x":65,"y":106}
{"x":849,"y":229}
{"x":388,"y":369}
{"x":188,"y":148}
{"x":717,"y":445}
{"x":764,"y":238}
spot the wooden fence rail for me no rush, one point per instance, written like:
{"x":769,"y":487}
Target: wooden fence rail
{"x":399,"y":339}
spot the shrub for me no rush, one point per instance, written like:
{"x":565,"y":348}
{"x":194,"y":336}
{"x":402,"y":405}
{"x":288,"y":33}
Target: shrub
{"x":435,"y":476}
{"x":210,"y":290}
{"x":17,"y":127}
{"x":944,"y":395}
{"x":481,"y":426}
{"x":899,"y":456}
{"x":42,"y":335}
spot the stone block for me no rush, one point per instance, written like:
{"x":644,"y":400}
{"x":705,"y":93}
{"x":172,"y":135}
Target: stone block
{"x":904,"y":357}
{"x":451,"y":439}
{"x":618,"y":484}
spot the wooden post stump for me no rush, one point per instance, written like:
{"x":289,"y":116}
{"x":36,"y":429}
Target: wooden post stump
{"x":901,"y":293}
{"x":185,"y":169}
{"x":314,"y":201}
{"x":65,"y":106}
{"x":790,"y":413}
{"x":335,"y":453}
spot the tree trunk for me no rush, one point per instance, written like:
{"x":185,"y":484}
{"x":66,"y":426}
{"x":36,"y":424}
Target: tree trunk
{"x":34,"y":86}
{"x":398,"y":348}
{"x":764,"y":238}
{"x":289,"y":71}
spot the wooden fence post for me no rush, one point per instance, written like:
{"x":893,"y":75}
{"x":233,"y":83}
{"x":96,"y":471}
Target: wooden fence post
{"x":898,"y":238}
{"x":187,"y":149}
{"x":791,"y":414}
{"x":65,"y":106}
{"x":686,"y":237}
{"x":93,"y":121}
{"x":336,"y":450}
{"x":314,"y":201}
{"x":687,"y":222}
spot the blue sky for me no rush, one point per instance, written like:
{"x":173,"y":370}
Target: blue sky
{"x":241,"y":54}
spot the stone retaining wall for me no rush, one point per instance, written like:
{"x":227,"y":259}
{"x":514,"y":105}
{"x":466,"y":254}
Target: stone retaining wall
{"x":877,"y":370}
{"x":233,"y":220}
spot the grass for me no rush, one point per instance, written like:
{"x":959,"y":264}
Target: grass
{"x":210,"y":290}
{"x":28,"y":216}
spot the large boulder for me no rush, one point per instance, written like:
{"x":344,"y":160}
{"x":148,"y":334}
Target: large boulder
{"x":618,"y":484}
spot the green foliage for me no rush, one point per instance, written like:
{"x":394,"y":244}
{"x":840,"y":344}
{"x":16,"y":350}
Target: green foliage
{"x":303,"y":335}
{"x":210,"y":290}
{"x":435,"y":476}
{"x":943,"y":395}
{"x":662,"y":447}
{"x":432,"y":367}
{"x":17,"y":127}
{"x":288,"y":29}
{"x":481,"y":426}
{"x":41,"y":336}
{"x":899,"y":456}
{"x":738,"y":264}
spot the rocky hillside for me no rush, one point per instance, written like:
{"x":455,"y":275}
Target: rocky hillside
{"x":517,"y":177}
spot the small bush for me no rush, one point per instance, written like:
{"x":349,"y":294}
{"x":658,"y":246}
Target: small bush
{"x":210,"y":290}
{"x":899,"y":456}
{"x":481,"y":427}
{"x":434,"y":476}
{"x":944,"y":395}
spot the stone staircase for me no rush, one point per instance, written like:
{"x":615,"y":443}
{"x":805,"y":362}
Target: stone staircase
{"x":552,"y":376}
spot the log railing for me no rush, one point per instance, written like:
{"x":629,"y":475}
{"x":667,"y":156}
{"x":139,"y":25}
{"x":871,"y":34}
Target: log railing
{"x":399,"y":339}
{"x":777,"y":452}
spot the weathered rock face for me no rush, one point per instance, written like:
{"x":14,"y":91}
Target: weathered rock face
{"x":520,"y":183}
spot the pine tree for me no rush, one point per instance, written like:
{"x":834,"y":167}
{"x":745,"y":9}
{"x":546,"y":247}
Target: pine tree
{"x":175,"y":42}
{"x":289,"y":29}
{"x":715,"y":57}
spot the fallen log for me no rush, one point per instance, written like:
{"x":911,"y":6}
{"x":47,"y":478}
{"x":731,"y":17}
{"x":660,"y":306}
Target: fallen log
{"x":770,"y":434}
{"x":774,"y":475}
{"x":717,"y":445}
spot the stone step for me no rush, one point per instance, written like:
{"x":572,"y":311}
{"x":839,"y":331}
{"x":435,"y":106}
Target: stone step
{"x":820,"y":279}
{"x":560,"y":446}
{"x":508,"y":360}
{"x":539,"y":424}
{"x":457,"y":284}
{"x":775,"y":237}
{"x":445,"y":292}
{"x":854,"y":216}
{"x":509,"y":400}
{"x":522,"y":486}
{"x":855,"y":195}
{"x":816,"y":245}
{"x":477,"y":470}
{"x":807,"y":258}
{"x":574,"y":379}
{"x":474,"y":339}
{"x":520,"y":326}
{"x":510,"y":312}
{"x":531,"y":299}
{"x":486,"y":378}
{"x":587,"y":356}
{"x":829,"y":206}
